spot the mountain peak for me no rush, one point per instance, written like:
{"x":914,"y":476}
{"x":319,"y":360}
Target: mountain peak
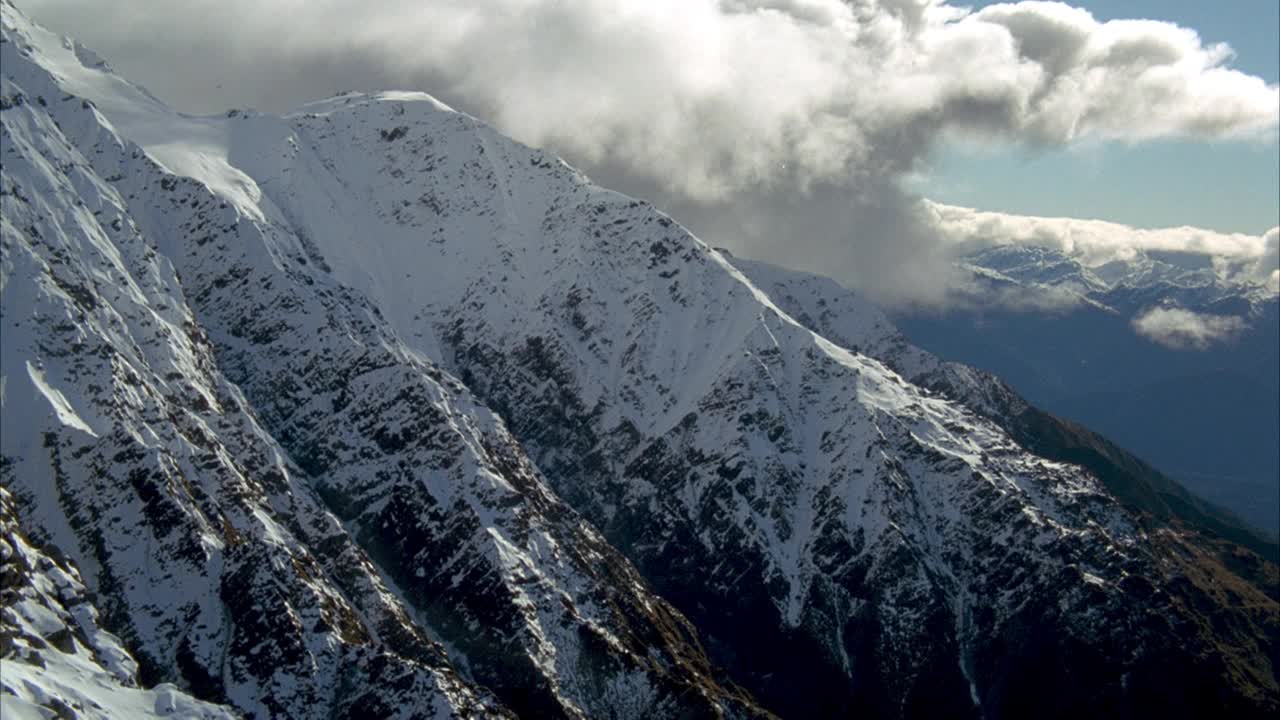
{"x":369,"y":410}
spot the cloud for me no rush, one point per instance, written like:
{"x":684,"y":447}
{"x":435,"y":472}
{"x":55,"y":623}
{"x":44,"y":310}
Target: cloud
{"x":1180,"y":329}
{"x":979,"y":292}
{"x":1092,"y":241}
{"x":1266,"y":270}
{"x":707,"y":97}
{"x":778,"y":128}
{"x":1233,"y":258}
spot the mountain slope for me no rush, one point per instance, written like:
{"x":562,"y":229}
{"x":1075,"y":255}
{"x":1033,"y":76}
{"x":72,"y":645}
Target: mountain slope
{"x":1194,"y":394}
{"x":399,"y":394}
{"x":834,"y":312}
{"x":57,"y":657}
{"x":758,"y":475}
{"x":126,"y":447}
{"x":283,"y":507}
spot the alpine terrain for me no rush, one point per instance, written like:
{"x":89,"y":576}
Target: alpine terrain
{"x":368,"y":411}
{"x":1199,"y":404}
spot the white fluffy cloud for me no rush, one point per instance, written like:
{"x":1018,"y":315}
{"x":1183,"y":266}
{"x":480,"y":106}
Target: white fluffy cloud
{"x":704,"y":96}
{"x":1266,"y":269}
{"x":1182,"y":329}
{"x":781,"y":128}
{"x":1235,"y":259}
{"x":1097,"y":241}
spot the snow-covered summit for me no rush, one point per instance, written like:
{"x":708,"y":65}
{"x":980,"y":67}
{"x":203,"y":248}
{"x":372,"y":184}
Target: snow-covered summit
{"x":1123,"y":285}
{"x":371,"y":410}
{"x":283,"y":507}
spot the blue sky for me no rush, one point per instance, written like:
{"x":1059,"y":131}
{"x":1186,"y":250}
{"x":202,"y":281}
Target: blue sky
{"x":1226,"y":186}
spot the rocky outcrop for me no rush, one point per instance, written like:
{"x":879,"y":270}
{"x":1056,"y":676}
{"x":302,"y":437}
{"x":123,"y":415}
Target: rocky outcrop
{"x":370,"y":411}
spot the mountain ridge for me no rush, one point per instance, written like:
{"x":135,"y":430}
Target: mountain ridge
{"x":1172,"y":355}
{"x":367,"y":620}
{"x":812,"y":299}
{"x":480,"y":417}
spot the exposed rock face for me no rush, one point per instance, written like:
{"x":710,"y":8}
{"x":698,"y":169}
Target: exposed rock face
{"x":1171,"y":354}
{"x":283,"y":507}
{"x":126,"y":446}
{"x":59,"y":662}
{"x":371,"y":411}
{"x":1204,"y":540}
{"x":841,"y":316}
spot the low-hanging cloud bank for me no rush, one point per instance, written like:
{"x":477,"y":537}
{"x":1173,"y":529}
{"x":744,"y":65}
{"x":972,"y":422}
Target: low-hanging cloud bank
{"x":1235,"y":257}
{"x":781,"y":128}
{"x":1180,"y":329}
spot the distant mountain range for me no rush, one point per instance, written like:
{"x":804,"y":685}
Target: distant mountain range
{"x":370,"y":411}
{"x":1160,"y":353}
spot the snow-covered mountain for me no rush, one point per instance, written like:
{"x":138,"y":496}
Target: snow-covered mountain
{"x":1122,"y":284}
{"x":282,"y":505}
{"x":57,"y":656}
{"x":839,"y":314}
{"x":369,"y":411}
{"x":1173,"y":355}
